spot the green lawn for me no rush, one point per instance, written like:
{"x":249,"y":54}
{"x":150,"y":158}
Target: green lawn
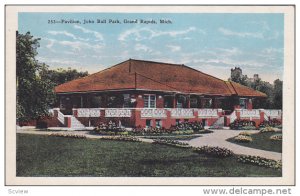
{"x":262,"y":141}
{"x":54,"y":156}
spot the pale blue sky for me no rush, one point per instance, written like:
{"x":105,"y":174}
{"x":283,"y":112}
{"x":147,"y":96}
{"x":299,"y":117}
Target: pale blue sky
{"x":212,"y":43}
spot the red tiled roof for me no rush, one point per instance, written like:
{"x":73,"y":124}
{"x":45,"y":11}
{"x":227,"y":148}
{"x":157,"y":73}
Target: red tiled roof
{"x":148,"y":75}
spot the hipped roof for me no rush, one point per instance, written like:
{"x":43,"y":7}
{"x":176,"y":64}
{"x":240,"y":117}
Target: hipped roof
{"x":156,"y":76}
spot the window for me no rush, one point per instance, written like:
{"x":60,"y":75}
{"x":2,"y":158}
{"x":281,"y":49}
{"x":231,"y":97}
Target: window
{"x":193,"y":102}
{"x":177,"y":122}
{"x":149,"y":101}
{"x":148,"y":123}
{"x":158,"y":123}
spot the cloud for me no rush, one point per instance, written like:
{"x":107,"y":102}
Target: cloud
{"x":50,"y":43}
{"x":141,"y":47}
{"x":68,"y":34}
{"x":62,"y":33}
{"x":98,"y":35}
{"x":174,"y":48}
{"x":74,"y":45}
{"x":228,"y":32}
{"x":146,"y":33}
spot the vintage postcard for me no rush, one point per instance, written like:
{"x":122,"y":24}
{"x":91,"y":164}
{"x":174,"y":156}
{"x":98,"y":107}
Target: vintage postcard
{"x":150,"y":95}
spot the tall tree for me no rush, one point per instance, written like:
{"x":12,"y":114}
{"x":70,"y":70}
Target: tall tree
{"x":34,"y":95}
{"x":277,"y":94}
{"x":60,"y":76}
{"x":273,"y":92}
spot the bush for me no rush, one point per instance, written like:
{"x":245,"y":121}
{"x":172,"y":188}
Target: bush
{"x":256,"y":160}
{"x":214,"y":151}
{"x":267,"y":129}
{"x":122,"y":138}
{"x":276,"y":137}
{"x":68,"y":135}
{"x":171,"y":143}
{"x":195,"y":126}
{"x":271,"y":123}
{"x":242,"y":125}
{"x":248,"y":128}
{"x":110,"y":129}
{"x":243,"y":138}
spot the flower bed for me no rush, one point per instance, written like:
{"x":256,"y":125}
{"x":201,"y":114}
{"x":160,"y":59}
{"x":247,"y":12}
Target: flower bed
{"x":267,"y":129}
{"x":242,"y":125}
{"x":256,"y":160}
{"x":68,"y":135}
{"x":271,"y":123}
{"x":214,"y":151}
{"x":276,"y":137}
{"x":195,"y":126}
{"x":122,"y":138}
{"x":171,"y":143}
{"x":243,"y":138}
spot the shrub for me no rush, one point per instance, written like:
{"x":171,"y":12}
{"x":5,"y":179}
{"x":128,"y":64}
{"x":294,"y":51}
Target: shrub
{"x":267,"y":129}
{"x":243,"y":138}
{"x":110,"y":129}
{"x":248,"y":128}
{"x":257,"y":160}
{"x":242,"y":125}
{"x":195,"y":126}
{"x":171,"y":143}
{"x":214,"y":151}
{"x":276,"y":137}
{"x":270,"y":123}
{"x":68,"y":135}
{"x":122,"y":138}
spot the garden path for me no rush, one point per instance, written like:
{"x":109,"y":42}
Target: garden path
{"x":219,"y":137}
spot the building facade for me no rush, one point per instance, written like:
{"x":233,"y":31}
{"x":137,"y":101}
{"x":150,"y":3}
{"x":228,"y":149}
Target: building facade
{"x":138,"y":93}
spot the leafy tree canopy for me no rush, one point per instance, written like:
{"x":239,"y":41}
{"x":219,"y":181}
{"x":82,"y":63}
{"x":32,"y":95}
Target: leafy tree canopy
{"x":60,"y":75}
{"x":34,"y":95}
{"x":273,"y":91}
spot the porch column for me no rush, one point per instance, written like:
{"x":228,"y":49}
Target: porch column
{"x":81,"y":101}
{"x":188,"y":99}
{"x":249,"y":104}
{"x":174,"y":101}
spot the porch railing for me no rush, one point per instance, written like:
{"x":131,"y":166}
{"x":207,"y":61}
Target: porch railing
{"x":88,"y":112}
{"x":244,"y":113}
{"x":273,"y":113}
{"x":153,"y":113}
{"x":61,"y":117}
{"x":117,"y":112}
{"x":182,"y":113}
{"x":208,"y":112}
